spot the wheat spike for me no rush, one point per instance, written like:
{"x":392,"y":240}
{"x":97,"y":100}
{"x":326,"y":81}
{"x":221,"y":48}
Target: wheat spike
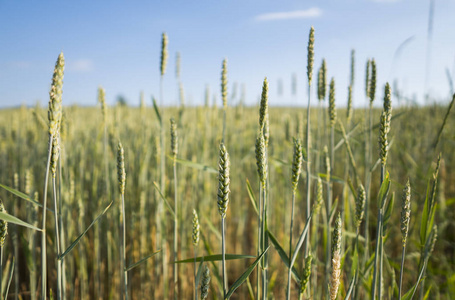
{"x":336,"y":259}
{"x":223,"y":181}
{"x":164,"y":54}
{"x":296,"y":163}
{"x":55,"y":96}
{"x":121,"y":168}
{"x":195,"y":234}
{"x":310,"y":57}
{"x":405,"y":212}
{"x":3,"y":226}
{"x":205,"y":284}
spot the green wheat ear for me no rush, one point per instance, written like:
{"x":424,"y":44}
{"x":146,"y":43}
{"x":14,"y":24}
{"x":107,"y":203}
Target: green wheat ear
{"x":360,"y":205}
{"x":372,"y":85}
{"x":336,"y":259}
{"x":306,"y":273}
{"x":332,"y":111}
{"x":55,"y":153}
{"x":195,"y":234}
{"x":322,"y":81}
{"x":102,"y":100}
{"x":384,"y":126}
{"x":224,"y":83}
{"x":174,"y":139}
{"x":405,"y":212}
{"x":367,"y":78}
{"x":223,"y":181}
{"x":264,"y":107}
{"x":319,"y":196}
{"x":3,"y":226}
{"x":296,"y":163}
{"x":327,"y":163}
{"x":261,"y":158}
{"x":205,"y":284}
{"x":55,"y":96}
{"x":164,"y":54}
{"x":320,"y":84}
{"x":310,"y":57}
{"x":121,"y":168}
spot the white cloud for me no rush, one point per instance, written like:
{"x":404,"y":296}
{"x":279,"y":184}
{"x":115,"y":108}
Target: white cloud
{"x":296,"y":14}
{"x":81,"y":65}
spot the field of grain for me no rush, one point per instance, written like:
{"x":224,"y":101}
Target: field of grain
{"x":236,"y":186}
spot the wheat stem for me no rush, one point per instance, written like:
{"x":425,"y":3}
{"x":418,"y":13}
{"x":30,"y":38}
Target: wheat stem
{"x":43,"y":234}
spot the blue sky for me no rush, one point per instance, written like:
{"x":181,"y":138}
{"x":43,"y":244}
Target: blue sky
{"x":116,"y":44}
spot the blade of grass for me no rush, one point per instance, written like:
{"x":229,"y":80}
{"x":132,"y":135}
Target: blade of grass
{"x":199,"y":273}
{"x":195,"y":165}
{"x":245,"y":275}
{"x":301,"y":240}
{"x":21,"y":195}
{"x":11,"y":219}
{"x":284,"y":257}
{"x":157,"y":110}
{"x":438,"y":137}
{"x":169,"y":207}
{"x":214,"y":257}
{"x":141,"y":261}
{"x":251,"y":196}
{"x":76,"y":241}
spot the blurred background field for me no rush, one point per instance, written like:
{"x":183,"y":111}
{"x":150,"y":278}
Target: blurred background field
{"x":23,"y":154}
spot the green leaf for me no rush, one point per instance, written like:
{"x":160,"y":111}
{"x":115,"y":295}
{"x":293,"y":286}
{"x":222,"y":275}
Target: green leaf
{"x":388,"y":214}
{"x":212,"y":227}
{"x":355,"y":262}
{"x":11,"y":219}
{"x":169,"y":207}
{"x":250,"y":288}
{"x":301,"y":239}
{"x":334,"y":209}
{"x":425,"y":213}
{"x":245,"y":275}
{"x":332,"y":178}
{"x":157,"y":110}
{"x":351,"y":287}
{"x":353,"y":191}
{"x":214,"y":257}
{"x":216,"y":270}
{"x":410,"y":294}
{"x":140,"y":262}
{"x":199,"y":273}
{"x":251,"y":196}
{"x":76,"y":241}
{"x":342,"y":141}
{"x":279,"y":161}
{"x":284,"y":257}
{"x":353,"y":235}
{"x":21,"y":195}
{"x":427,"y":294}
{"x":384,"y":191}
{"x":195,"y":165}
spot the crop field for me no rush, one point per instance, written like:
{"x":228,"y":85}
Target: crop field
{"x":223,"y":201}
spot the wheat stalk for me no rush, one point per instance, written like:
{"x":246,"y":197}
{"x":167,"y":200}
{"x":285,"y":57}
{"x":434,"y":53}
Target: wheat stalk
{"x":223,"y":201}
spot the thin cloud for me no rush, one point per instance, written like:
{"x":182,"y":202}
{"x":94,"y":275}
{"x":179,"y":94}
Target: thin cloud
{"x":81,"y":65}
{"x":296,"y":14}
